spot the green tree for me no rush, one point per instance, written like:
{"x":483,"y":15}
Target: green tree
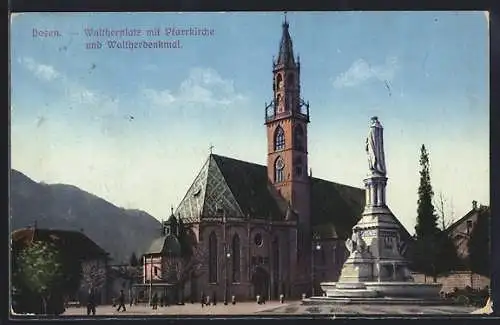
{"x":40,"y":270}
{"x":428,"y":238}
{"x":447,"y":259}
{"x":426,"y":216}
{"x":479,"y":245}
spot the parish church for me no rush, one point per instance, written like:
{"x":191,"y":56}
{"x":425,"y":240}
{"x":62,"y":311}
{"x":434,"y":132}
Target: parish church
{"x":243,"y":229}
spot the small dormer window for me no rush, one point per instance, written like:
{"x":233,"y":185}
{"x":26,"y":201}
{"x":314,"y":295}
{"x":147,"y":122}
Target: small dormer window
{"x":167,"y":230}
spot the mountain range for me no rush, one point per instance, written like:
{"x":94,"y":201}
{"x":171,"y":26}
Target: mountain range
{"x":118,"y":231}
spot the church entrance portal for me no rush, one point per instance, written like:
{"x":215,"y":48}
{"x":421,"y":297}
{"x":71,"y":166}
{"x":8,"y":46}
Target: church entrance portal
{"x":260,"y":282}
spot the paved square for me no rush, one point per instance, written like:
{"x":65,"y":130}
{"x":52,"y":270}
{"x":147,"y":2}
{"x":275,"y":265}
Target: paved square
{"x":365,"y":309}
{"x":275,"y":308}
{"x":242,"y":308}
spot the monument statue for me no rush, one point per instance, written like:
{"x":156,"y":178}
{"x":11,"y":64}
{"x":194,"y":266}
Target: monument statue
{"x":375,"y":147}
{"x":377,"y":269}
{"x":355,"y":244}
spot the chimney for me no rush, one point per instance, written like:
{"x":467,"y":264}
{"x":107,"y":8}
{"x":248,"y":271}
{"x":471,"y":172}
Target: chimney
{"x":474,"y":205}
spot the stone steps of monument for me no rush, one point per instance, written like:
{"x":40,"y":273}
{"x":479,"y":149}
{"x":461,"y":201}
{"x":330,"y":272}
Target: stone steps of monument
{"x":376,"y":300}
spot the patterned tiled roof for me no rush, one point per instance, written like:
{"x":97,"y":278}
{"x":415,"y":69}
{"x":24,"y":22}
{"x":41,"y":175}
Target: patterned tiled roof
{"x":241,"y":189}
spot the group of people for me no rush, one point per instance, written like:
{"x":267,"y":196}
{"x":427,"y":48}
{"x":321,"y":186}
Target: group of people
{"x":92,"y":303}
{"x":205,"y":300}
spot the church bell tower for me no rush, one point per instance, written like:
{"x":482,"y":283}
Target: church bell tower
{"x":286,"y":120}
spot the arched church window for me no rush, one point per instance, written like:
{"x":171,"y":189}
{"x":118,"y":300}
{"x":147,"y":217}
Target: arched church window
{"x":298,"y":137}
{"x":279,"y":139}
{"x":236,"y":258}
{"x":279,"y":173}
{"x":279,"y":81}
{"x":279,"y":103}
{"x":212,"y":258}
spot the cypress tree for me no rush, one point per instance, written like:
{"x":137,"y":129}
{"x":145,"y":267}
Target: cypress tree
{"x":427,"y":218}
{"x":425,"y":248}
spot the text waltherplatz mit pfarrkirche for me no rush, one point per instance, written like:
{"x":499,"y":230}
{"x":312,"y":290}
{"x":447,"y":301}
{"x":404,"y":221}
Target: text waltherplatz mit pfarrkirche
{"x":157,"y":31}
{"x":121,"y":38}
{"x":171,"y":37}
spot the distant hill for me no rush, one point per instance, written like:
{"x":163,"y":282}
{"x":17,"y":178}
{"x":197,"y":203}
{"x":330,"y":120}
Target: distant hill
{"x":59,"y":206}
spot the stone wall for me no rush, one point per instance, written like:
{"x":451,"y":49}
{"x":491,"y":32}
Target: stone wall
{"x":456,"y":280}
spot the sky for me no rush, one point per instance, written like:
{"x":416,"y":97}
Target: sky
{"x":134,"y":126}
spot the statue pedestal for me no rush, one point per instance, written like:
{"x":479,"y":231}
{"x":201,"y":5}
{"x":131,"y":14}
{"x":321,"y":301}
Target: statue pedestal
{"x":376,"y":269}
{"x":357,"y":268}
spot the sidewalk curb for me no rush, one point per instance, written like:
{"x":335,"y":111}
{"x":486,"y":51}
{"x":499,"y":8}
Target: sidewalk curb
{"x":272,"y":308}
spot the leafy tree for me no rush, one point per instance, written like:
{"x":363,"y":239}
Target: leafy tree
{"x":40,"y":270}
{"x":479,"y":245}
{"x":93,"y":276}
{"x":133,"y":260}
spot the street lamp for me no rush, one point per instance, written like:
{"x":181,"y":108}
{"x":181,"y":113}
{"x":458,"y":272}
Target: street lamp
{"x":315,"y":249}
{"x":228,"y":256}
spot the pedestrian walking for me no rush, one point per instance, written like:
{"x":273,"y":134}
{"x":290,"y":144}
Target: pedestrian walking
{"x":154,"y":301}
{"x":202,"y":299}
{"x":91,"y":303}
{"x":214,"y":299}
{"x":121,"y":301}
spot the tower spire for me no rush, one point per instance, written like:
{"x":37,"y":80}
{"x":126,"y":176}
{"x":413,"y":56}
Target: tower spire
{"x":285,"y":56}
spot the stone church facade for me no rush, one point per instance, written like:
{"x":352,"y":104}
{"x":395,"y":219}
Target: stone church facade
{"x":267,"y":230}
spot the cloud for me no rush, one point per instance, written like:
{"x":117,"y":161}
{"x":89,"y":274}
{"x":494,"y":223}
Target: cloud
{"x":362,"y":71}
{"x":203,"y":87}
{"x":105,"y":109}
{"x":41,"y":71}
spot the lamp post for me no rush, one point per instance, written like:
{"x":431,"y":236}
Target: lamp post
{"x":228,"y":256}
{"x":151,"y":280}
{"x":315,"y":247}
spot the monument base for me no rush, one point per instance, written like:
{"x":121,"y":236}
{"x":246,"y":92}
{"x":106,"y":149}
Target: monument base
{"x":383,"y":289}
{"x":396,"y":293}
{"x":375,"y":301}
